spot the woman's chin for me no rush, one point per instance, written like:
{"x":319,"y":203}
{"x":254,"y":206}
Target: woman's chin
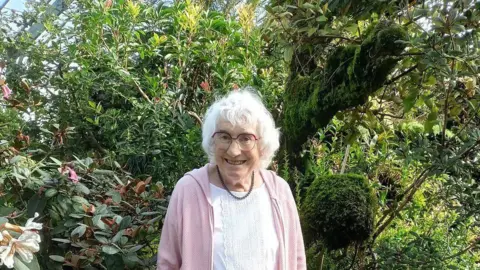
{"x":235,"y":173}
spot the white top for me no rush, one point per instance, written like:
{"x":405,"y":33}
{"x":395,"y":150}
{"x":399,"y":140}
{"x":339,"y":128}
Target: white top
{"x":244,"y":235}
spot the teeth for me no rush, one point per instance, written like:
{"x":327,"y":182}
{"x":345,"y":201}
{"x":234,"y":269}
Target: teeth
{"x":235,"y":162}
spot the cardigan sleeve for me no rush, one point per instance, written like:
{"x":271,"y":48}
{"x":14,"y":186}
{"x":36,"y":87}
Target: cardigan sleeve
{"x":169,"y":255}
{"x":299,"y":245}
{"x":296,"y":255}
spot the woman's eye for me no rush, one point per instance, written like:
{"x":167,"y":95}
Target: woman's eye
{"x":225,"y":137}
{"x":246,"y":138}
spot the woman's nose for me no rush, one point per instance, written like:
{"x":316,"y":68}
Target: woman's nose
{"x":234,"y":149}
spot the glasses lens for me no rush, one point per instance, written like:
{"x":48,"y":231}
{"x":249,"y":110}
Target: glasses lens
{"x":246,"y":141}
{"x":223,"y":139}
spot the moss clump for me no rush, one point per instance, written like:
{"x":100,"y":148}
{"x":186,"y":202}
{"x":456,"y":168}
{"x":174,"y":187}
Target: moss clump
{"x":339,"y":210}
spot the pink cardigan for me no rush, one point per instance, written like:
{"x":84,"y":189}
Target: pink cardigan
{"x":186,"y":240}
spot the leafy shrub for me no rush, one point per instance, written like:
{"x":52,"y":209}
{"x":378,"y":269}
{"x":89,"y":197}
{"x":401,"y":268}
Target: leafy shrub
{"x":92,"y":209}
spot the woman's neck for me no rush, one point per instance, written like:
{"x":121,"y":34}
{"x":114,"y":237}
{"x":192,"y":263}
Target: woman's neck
{"x":242,"y":185}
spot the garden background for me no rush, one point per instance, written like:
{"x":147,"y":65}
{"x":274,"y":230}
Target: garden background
{"x":377,"y":101}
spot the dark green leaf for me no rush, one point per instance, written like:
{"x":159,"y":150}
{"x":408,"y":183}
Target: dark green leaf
{"x":50,"y":192}
{"x":125,"y":223}
{"x":79,"y":231}
{"x":36,"y":204}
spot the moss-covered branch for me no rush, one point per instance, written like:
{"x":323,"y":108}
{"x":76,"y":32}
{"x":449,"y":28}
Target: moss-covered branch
{"x":351,"y":74}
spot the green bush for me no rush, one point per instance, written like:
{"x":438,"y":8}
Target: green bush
{"x":339,"y":210}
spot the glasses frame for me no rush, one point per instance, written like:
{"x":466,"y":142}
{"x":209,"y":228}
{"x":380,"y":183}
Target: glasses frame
{"x":235,"y":139}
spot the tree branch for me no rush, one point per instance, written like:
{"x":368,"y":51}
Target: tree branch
{"x":411,"y":54}
{"x":411,"y":190}
{"x":394,"y":79}
{"x":319,"y":38}
{"x":194,"y":115}
{"x":345,"y":159}
{"x":445,"y":108}
{"x":139,"y":89}
{"x":463,"y":251}
{"x":413,"y":20}
{"x":376,"y":112}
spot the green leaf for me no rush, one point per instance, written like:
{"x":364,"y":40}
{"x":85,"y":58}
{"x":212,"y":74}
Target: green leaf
{"x":155,"y":219}
{"x":59,"y":229}
{"x":61,"y":240}
{"x":125,"y":223}
{"x":110,"y":250}
{"x":36,"y":204}
{"x":82,"y":188}
{"x":151,"y":213}
{"x":79,"y":231}
{"x":321,"y":19}
{"x":131,"y":260}
{"x":113,"y":262}
{"x":46,"y":130}
{"x":118,"y":180}
{"x":458,"y":28}
{"x":57,"y":258}
{"x":410,"y":101}
{"x":73,"y":215}
{"x":288,"y":53}
{"x":97,"y":221}
{"x":431,"y":121}
{"x":117,"y":236}
{"x":431,"y":80}
{"x":104,"y":172}
{"x":117,"y":165}
{"x":123,"y":240}
{"x":16,"y":159}
{"x":19,"y":176}
{"x":19,"y":264}
{"x":58,"y":162}
{"x":135,"y":248}
{"x":102,"y":239}
{"x":80,"y":200}
{"x":116,"y":197}
{"x":5,"y":210}
{"x":50,"y":192}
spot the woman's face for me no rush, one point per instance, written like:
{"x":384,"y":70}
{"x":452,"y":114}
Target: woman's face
{"x":234,"y":162}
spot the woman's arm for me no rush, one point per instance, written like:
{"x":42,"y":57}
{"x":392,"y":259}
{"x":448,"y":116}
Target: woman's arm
{"x":169,"y":256}
{"x":300,"y":247}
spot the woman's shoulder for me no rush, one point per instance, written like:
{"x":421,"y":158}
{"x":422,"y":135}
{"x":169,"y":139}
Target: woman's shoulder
{"x":192,"y":179}
{"x":281,"y":185}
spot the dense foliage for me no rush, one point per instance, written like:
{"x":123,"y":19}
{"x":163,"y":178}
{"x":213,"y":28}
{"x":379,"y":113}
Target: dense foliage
{"x":101,"y":116}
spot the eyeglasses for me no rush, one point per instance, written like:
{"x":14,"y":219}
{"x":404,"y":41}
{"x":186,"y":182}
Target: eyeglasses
{"x":246,"y":142}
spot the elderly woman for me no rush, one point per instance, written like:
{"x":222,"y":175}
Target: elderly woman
{"x":233,"y":213}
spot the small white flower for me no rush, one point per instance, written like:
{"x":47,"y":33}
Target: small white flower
{"x":6,"y":256}
{"x":27,"y":244}
{"x":30,"y":225}
{"x":7,"y":252}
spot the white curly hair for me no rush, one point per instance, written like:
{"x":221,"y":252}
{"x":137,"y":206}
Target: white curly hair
{"x":245,"y":108}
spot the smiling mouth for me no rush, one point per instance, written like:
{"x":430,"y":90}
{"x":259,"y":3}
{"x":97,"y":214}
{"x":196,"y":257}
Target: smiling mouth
{"x":235,"y":162}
